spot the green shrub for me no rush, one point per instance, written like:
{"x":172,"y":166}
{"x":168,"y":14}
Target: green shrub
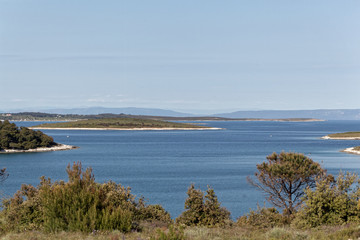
{"x":262,"y":218}
{"x":203,"y":213}
{"x":80,"y":204}
{"x":331,"y":202}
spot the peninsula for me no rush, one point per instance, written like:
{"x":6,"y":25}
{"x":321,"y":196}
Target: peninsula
{"x":346,"y":136}
{"x":121,"y":124}
{"x":15,"y":140}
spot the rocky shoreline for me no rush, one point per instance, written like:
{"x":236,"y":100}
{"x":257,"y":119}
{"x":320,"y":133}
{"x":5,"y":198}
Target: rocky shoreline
{"x":351,"y":150}
{"x":341,"y":138}
{"x":59,"y":147}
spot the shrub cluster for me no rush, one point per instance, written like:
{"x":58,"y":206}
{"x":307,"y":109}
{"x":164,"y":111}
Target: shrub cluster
{"x":12,"y":137}
{"x":262,"y":218}
{"x":80,"y":204}
{"x":203,"y":212}
{"x":332,"y":202}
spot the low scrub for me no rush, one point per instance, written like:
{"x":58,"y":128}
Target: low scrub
{"x":263,"y":218}
{"x":80,"y":204}
{"x":331,"y":202}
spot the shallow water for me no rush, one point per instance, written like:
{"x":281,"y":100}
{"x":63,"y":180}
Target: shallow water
{"x":160,"y":165}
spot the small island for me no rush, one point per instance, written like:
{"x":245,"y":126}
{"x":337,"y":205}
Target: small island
{"x":15,"y":140}
{"x":353,"y":150}
{"x":121,"y":124}
{"x":346,"y":136}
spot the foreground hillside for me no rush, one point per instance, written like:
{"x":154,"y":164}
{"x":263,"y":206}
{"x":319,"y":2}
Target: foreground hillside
{"x":315,"y":205}
{"x":118,"y":123}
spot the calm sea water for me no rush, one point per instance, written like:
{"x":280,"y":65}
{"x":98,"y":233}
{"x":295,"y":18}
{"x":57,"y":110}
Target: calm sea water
{"x":160,"y":165}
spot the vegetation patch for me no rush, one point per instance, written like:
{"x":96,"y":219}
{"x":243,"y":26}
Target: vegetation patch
{"x":345,"y":135}
{"x":203,"y":212}
{"x":117,"y":123}
{"x":319,"y":207}
{"x":80,"y":204}
{"x":13,"y":137}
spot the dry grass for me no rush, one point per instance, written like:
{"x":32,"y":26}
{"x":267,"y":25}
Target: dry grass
{"x":345,"y":135}
{"x":202,"y":233}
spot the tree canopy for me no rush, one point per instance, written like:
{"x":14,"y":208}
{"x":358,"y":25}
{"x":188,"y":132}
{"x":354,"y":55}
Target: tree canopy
{"x":284,"y":177}
{"x":13,"y":137}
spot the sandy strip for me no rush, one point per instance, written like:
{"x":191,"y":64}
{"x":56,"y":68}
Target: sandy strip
{"x":126,"y":129}
{"x":60,"y":147}
{"x":341,"y":138}
{"x":351,"y":150}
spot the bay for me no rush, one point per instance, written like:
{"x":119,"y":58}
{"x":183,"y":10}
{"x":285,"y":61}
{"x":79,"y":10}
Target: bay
{"x":161,"y":165}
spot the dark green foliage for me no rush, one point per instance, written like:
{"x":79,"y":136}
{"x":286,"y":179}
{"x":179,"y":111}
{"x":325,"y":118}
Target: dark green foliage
{"x":80,"y":204}
{"x":153,"y":213}
{"x":331,"y":202}
{"x":284,"y":177}
{"x":203,"y":213}
{"x":12,"y":137}
{"x":262,"y":218}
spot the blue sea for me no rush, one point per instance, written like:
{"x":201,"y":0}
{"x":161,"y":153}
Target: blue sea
{"x":161,"y":165}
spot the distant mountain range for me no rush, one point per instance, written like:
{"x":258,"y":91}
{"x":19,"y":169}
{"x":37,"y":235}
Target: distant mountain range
{"x":325,"y":114}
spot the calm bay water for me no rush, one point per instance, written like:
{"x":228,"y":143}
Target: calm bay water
{"x":160,"y":165}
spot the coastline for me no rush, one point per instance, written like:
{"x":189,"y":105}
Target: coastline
{"x":340,"y":138}
{"x":59,"y":147}
{"x":126,"y":129}
{"x":351,"y":150}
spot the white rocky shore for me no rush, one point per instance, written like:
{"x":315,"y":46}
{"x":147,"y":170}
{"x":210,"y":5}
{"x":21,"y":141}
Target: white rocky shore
{"x":341,"y":138}
{"x":59,"y":147}
{"x":127,"y":129}
{"x":351,"y":150}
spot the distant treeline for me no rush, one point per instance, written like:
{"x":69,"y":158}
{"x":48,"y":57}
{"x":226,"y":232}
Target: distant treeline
{"x":13,"y":137}
{"x":37,"y":116}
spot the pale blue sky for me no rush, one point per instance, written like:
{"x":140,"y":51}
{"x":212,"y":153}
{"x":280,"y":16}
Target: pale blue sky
{"x":180,"y":55}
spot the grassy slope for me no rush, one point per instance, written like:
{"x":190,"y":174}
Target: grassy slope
{"x":118,"y":123}
{"x":345,"y":134}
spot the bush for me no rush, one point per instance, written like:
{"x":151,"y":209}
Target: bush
{"x":80,"y":204}
{"x":203,"y":213}
{"x":262,"y":218}
{"x":331,"y":203}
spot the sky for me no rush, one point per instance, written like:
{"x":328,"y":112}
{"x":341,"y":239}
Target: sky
{"x":183,"y":55}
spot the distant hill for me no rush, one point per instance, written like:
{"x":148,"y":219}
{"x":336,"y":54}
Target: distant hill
{"x":128,"y":110}
{"x":326,"y":114}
